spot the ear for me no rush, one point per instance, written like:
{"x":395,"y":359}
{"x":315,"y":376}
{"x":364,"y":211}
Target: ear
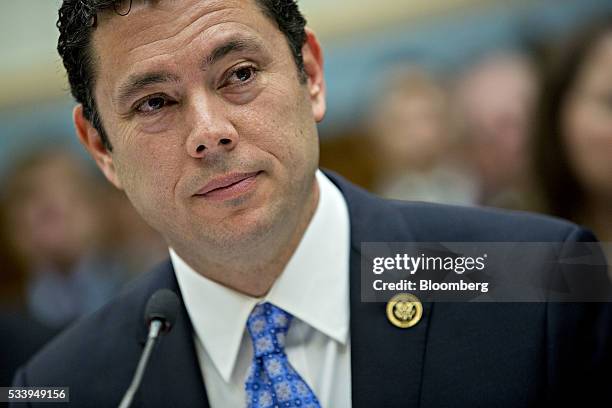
{"x":91,"y":140}
{"x":313,"y":65}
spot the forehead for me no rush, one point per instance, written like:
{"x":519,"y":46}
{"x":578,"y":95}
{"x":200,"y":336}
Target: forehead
{"x":148,"y":18}
{"x":155,"y":32}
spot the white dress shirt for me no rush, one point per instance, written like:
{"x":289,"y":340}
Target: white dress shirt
{"x":314,"y":288}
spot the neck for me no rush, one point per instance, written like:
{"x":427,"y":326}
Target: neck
{"x":596,"y":214}
{"x":60,"y":265}
{"x":253,"y":269}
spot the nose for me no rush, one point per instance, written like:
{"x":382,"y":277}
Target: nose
{"x":198,"y":148}
{"x":212,"y":131}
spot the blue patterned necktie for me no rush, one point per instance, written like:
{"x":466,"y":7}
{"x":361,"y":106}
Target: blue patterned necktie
{"x":272,"y":381}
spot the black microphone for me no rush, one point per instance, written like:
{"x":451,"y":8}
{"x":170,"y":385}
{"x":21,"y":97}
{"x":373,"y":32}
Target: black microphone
{"x":160,"y":315}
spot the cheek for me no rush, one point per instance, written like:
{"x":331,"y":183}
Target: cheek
{"x":149,"y":172}
{"x":284,"y":128}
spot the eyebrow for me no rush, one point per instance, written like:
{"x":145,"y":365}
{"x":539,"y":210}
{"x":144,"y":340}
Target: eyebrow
{"x":230,"y":46}
{"x":135,"y":83}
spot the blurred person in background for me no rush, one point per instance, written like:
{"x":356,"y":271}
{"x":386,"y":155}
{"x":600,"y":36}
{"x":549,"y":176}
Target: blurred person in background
{"x":67,"y":243}
{"x":21,"y":336}
{"x":494,"y":101}
{"x":54,"y":223}
{"x":572,"y":152}
{"x":12,"y":276}
{"x":412,"y":140}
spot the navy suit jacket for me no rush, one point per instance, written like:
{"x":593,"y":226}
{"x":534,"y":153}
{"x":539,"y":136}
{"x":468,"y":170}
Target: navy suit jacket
{"x":458,"y":355}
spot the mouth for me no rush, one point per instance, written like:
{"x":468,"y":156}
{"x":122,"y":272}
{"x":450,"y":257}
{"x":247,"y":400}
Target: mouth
{"x":228,"y":186}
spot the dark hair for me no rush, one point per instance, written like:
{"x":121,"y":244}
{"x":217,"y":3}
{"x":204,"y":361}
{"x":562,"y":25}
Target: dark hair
{"x":561,"y":192}
{"x":78,"y":18}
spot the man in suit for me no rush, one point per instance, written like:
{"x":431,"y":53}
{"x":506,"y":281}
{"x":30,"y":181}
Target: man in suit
{"x":204,"y":113}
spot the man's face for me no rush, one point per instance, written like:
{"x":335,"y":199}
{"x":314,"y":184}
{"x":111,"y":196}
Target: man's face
{"x":199,"y":95}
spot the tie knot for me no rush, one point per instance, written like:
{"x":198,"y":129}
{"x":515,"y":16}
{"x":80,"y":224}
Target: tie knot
{"x":268,"y":326}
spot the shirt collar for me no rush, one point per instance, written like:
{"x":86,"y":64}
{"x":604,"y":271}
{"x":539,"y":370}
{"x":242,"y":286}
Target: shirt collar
{"x":314,"y":282}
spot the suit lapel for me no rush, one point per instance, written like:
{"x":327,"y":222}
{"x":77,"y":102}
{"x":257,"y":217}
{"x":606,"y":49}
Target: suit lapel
{"x":173,"y":377}
{"x":386,"y":362}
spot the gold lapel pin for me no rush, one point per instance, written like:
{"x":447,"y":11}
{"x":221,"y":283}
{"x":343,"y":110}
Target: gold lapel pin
{"x":404,"y":310}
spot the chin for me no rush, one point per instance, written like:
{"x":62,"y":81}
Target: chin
{"x":246,"y":229}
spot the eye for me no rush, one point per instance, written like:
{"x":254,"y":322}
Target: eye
{"x":152,"y":104}
{"x":241,"y":75}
